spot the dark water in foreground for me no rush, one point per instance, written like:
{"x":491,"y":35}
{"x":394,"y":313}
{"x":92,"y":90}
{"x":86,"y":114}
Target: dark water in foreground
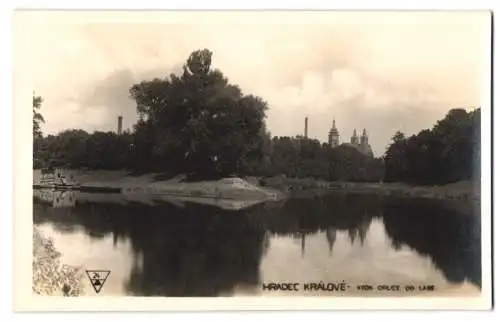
{"x":194,"y":250}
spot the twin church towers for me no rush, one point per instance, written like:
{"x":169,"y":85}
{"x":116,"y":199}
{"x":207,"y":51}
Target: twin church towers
{"x":360,"y":143}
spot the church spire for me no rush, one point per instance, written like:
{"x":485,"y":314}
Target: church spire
{"x":333,"y":136}
{"x":354,"y":138}
{"x":364,"y":138}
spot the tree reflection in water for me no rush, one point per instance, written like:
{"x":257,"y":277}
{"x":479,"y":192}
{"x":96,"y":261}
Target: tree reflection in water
{"x":191,"y":251}
{"x":451,"y":239}
{"x":198,"y":250}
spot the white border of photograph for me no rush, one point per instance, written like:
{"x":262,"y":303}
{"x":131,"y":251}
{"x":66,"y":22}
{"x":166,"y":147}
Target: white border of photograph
{"x":119,"y":303}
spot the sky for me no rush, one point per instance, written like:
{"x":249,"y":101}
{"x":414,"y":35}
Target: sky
{"x":379,"y":71}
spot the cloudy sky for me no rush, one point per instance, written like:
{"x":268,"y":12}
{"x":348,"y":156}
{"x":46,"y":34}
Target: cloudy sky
{"x":380,"y":71}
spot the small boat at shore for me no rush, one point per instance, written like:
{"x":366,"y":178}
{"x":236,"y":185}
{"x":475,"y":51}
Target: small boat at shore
{"x":54,"y":179}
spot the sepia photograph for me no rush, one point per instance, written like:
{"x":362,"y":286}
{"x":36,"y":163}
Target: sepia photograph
{"x":186,"y":160}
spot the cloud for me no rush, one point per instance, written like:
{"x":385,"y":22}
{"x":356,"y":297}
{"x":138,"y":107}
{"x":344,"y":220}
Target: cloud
{"x":379,"y":71}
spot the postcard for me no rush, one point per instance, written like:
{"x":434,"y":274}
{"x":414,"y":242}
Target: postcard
{"x":190,"y":160}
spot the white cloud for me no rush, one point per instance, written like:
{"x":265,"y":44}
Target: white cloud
{"x":382,"y":71}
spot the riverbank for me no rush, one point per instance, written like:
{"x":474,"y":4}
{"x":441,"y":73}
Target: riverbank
{"x":278,"y":186}
{"x":156,"y":185}
{"x":50,"y":276}
{"x":463,"y":190}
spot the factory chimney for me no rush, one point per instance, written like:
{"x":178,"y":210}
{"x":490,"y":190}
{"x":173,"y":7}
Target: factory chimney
{"x":120,"y":124}
{"x":305,"y":128}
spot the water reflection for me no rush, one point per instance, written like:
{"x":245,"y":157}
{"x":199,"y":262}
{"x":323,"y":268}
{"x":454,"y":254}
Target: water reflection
{"x":452,"y":240}
{"x":200,"y":250}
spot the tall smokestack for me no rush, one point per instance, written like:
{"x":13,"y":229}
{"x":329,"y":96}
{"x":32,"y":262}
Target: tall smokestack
{"x":305,"y":128}
{"x":120,"y":123}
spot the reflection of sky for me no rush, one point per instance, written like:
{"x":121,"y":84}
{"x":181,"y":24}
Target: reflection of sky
{"x":374,"y":262}
{"x":79,"y":249}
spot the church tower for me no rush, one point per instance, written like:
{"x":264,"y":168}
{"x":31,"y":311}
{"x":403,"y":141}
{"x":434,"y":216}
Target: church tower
{"x":364,"y":138}
{"x":364,"y":145}
{"x":354,"y":138}
{"x":333,"y":136}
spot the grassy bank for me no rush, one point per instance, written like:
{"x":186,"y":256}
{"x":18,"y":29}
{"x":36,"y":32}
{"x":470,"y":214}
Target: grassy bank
{"x":463,"y":190}
{"x":50,"y":276}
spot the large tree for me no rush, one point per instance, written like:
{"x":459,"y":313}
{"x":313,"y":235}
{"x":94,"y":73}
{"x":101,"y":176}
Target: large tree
{"x":199,"y":123}
{"x":37,"y":116}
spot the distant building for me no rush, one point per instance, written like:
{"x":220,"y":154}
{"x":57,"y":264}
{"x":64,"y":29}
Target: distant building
{"x":354,"y":138}
{"x":120,"y":125}
{"x":360,"y":143}
{"x":333,"y":136}
{"x":305,"y":128}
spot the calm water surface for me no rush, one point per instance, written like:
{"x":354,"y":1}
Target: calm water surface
{"x":178,"y":249}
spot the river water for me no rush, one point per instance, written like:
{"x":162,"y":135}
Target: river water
{"x":185,"y":249}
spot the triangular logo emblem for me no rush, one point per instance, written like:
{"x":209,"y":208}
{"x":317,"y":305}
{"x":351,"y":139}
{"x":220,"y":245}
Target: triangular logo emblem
{"x":97,"y":278}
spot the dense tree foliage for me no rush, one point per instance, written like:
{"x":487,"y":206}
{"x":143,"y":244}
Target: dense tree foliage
{"x":448,"y":152}
{"x":294,"y":157}
{"x":79,"y":149}
{"x":198,"y":123}
{"x":306,"y":158}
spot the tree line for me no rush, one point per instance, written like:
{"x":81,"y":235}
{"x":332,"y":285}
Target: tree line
{"x":295,"y":157}
{"x":448,"y":152}
{"x":198,"y":123}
